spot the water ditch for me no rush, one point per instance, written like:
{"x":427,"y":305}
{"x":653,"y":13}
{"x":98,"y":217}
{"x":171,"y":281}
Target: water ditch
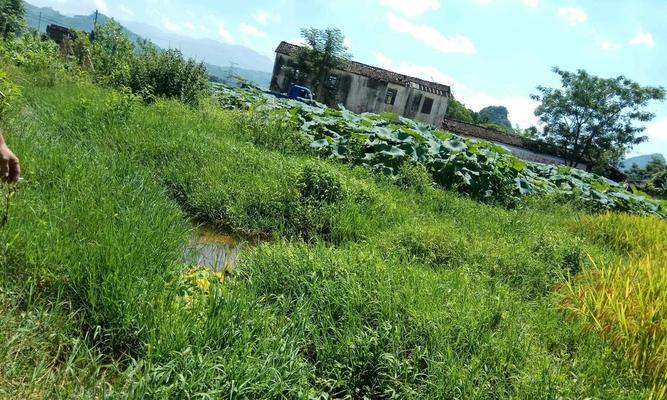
{"x":214,"y":250}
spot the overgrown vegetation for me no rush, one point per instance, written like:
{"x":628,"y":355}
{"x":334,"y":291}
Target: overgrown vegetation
{"x":147,"y":70}
{"x":11,"y":18}
{"x":367,"y":288}
{"x":652,"y":179}
{"x":483,"y":170}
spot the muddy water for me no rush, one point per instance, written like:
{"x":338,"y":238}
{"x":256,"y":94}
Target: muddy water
{"x":211,"y":249}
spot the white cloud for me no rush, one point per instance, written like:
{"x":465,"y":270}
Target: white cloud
{"x":431,"y":37}
{"x":250,"y":30}
{"x":171,"y":26}
{"x":297,"y":41}
{"x":608,"y":45}
{"x":573,"y":15}
{"x":347,"y":42}
{"x":643,"y":39}
{"x":125,"y":10}
{"x":527,"y":3}
{"x":657,"y":139}
{"x":224,"y":33}
{"x":411,"y":8}
{"x":657,"y":129}
{"x":264,"y":17}
{"x":521,"y":108}
{"x":531,"y":3}
{"x":102,"y":6}
{"x":426,"y":72}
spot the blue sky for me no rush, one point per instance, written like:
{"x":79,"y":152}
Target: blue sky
{"x":492,"y":52}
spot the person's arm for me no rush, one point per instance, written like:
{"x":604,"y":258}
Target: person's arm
{"x":10,"y":169}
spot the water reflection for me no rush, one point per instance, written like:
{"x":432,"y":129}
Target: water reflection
{"x":214,"y":250}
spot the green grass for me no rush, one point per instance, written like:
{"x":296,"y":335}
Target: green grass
{"x":379,"y":291}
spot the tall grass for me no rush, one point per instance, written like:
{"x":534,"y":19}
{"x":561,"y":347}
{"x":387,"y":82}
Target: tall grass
{"x":379,"y":290}
{"x":627,"y":300}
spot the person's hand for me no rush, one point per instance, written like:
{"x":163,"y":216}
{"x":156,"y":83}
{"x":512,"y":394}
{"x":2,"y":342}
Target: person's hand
{"x":10,"y":169}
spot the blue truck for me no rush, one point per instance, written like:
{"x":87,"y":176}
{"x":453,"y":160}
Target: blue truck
{"x":295,"y":92}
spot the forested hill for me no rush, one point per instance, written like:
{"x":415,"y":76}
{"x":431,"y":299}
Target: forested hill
{"x":40,"y":17}
{"x":641,"y":161}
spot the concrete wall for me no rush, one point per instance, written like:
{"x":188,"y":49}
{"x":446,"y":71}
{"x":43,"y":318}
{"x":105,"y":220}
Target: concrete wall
{"x":363,"y":94}
{"x":525,"y":149}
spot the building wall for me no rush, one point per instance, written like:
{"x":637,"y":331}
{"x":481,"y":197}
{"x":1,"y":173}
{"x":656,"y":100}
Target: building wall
{"x":524,"y":149}
{"x":363,"y":94}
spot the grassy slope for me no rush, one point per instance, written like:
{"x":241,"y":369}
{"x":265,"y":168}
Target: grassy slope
{"x":398,"y":293}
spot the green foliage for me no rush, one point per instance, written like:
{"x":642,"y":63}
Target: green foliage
{"x":81,"y":51}
{"x":658,"y":184}
{"x":319,"y":185}
{"x":12,"y":18}
{"x":113,"y":53}
{"x":39,"y":57}
{"x":324,"y":51}
{"x":595,"y":119}
{"x":496,"y":115}
{"x":414,"y":176}
{"x":457,"y":111}
{"x":151,"y":72}
{"x":655,"y":166}
{"x":480,"y":169}
{"x":9,"y":94}
{"x":156,"y":73}
{"x":493,"y":117}
{"x":405,"y":296}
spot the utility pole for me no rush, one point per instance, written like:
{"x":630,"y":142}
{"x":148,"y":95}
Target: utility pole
{"x":39,"y":24}
{"x":92,"y":34}
{"x":230,"y":73}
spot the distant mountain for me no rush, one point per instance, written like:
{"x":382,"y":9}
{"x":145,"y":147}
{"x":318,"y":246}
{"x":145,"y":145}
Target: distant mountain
{"x":40,"y":17}
{"x":263,"y":79}
{"x":496,"y":115}
{"x":641,"y":161}
{"x":218,"y":57}
{"x":207,"y":50}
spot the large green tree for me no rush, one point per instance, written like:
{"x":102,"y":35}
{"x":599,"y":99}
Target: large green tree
{"x":596,"y":120}
{"x":12,"y":17}
{"x":324,"y":51}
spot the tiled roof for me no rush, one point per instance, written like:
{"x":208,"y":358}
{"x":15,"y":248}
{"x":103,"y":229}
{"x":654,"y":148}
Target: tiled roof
{"x":485,"y":133}
{"x":380,"y":73}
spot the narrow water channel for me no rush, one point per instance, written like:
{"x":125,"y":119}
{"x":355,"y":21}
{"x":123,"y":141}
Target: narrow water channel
{"x":214,"y":250}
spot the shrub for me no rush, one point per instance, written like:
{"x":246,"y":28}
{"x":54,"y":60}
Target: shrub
{"x":266,"y":131}
{"x":11,"y":17}
{"x":658,"y":184}
{"x":8,"y":92}
{"x":414,"y":176}
{"x":40,"y":58}
{"x":168,"y":74}
{"x":319,"y":185}
{"x":119,"y":106}
{"x":113,"y":53}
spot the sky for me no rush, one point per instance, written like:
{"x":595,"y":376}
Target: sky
{"x":492,"y":52}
